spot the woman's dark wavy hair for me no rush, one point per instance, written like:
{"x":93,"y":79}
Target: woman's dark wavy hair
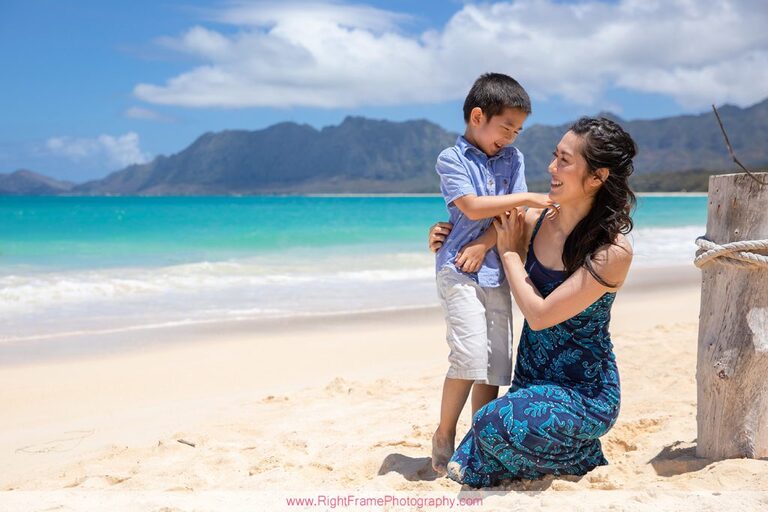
{"x":606,"y":145}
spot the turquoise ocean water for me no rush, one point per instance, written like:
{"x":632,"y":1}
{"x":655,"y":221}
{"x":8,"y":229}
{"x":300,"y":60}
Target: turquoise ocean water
{"x":70,"y":264}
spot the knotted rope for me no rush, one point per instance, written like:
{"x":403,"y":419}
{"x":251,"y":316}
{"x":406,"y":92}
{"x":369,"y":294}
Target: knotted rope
{"x":738,"y":254}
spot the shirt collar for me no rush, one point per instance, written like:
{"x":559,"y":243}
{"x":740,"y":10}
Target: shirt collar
{"x":464,"y":145}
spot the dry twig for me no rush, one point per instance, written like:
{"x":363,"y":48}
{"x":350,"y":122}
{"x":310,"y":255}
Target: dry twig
{"x":730,"y":150}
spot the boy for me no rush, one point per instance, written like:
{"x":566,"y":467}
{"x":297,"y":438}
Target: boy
{"x":480,"y":177}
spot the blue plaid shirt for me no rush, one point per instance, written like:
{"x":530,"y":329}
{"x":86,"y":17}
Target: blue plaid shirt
{"x":465,"y":169}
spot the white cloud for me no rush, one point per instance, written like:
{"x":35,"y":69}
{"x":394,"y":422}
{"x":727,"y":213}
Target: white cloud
{"x":115,"y":152}
{"x":146,"y":114}
{"x":339,"y":55}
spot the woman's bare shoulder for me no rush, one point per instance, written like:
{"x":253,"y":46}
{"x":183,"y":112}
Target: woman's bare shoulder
{"x":623,"y":245}
{"x":613,"y":260}
{"x":620,"y":251}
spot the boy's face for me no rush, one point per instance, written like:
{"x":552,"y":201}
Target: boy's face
{"x":490,"y":135}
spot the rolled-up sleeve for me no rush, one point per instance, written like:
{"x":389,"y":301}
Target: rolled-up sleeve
{"x":518,"y":175}
{"x":454,"y":176}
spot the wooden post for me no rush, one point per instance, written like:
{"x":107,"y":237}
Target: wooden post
{"x":732,"y":364}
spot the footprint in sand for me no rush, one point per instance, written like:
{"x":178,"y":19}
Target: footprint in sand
{"x":422,"y":432}
{"x":624,"y":436}
{"x":68,"y":441}
{"x":97,"y":481}
{"x":602,"y":481}
{"x":339,"y":386}
{"x":178,"y":488}
{"x":401,"y":442}
{"x":268,"y":464}
{"x":318,"y":465}
{"x":274,"y":399}
{"x":618,"y":445}
{"x":296,"y":444}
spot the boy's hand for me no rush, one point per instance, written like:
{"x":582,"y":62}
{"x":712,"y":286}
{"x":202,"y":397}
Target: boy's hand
{"x":534,"y":200}
{"x":543,"y":201}
{"x":553,"y":211}
{"x":470,"y":257}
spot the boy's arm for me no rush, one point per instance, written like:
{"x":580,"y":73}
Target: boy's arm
{"x":483,"y":207}
{"x":457,"y":188}
{"x":470,"y":257}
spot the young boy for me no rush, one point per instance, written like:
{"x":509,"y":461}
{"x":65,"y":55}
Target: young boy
{"x":480,"y":177}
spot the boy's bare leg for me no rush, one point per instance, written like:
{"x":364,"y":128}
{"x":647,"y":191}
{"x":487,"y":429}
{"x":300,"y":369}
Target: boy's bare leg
{"x":455,"y":393}
{"x":482,"y":394}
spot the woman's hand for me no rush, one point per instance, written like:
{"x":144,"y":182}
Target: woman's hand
{"x":510,"y":232}
{"x":437,"y":235}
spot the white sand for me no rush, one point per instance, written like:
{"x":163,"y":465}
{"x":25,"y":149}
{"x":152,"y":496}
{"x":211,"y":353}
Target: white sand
{"x":338,"y":406}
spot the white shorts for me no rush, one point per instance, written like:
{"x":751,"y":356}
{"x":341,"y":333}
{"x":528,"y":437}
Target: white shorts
{"x":478,"y":328}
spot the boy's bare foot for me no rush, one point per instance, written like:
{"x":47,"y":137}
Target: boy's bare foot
{"x":442,"y":449}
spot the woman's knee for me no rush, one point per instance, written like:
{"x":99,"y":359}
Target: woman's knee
{"x":481,"y":419}
{"x":490,"y":415}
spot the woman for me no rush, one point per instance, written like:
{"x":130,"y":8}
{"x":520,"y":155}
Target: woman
{"x":563,"y":273}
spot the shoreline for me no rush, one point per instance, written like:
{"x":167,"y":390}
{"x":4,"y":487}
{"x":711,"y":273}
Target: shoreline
{"x":52,"y":347}
{"x":100,"y":344}
{"x":672,"y":194}
{"x":320,"y":194}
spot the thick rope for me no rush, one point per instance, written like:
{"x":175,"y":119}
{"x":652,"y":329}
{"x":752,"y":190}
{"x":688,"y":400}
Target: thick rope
{"x":737,"y":254}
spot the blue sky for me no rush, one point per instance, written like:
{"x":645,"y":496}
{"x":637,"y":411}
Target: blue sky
{"x":91,"y":86}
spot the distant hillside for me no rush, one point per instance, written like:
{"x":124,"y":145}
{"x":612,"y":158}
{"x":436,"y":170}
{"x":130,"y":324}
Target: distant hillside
{"x":25,"y":182}
{"x":365,"y":155}
{"x":696,"y":180}
{"x":359,"y":155}
{"x":670,"y":144}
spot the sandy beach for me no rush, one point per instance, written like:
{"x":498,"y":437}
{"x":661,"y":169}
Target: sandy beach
{"x":334,"y":405}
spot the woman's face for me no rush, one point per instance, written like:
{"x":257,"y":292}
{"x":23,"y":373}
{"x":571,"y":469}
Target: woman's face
{"x":570,"y":177}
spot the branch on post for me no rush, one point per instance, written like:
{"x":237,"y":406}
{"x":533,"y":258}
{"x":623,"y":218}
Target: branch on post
{"x":730,"y":150}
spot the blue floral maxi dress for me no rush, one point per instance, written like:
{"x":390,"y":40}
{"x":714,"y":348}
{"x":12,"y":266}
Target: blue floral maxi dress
{"x":565,"y":394}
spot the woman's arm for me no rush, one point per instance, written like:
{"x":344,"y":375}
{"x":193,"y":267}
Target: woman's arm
{"x":574,"y":295}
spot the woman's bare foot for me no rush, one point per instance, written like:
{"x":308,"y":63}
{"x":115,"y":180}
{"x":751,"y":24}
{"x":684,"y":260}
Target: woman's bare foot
{"x":442,"y":449}
{"x":455,"y":471}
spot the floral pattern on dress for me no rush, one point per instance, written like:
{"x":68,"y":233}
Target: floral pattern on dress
{"x":564,"y":396}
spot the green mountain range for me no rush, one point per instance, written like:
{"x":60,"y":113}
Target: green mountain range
{"x":364,"y":155}
{"x":28,"y":183}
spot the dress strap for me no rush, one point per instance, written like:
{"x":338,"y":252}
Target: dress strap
{"x":538,"y":225}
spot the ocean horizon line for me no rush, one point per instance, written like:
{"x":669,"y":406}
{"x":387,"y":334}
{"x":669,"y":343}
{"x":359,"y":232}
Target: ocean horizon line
{"x":331,"y":194}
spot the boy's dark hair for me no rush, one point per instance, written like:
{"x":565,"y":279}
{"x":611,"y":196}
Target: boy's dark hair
{"x":494,"y":92}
